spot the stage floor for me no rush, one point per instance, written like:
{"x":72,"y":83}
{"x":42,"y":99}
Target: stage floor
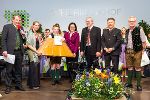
{"x":59,"y":92}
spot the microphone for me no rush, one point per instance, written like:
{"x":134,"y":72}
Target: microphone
{"x":18,"y":26}
{"x":21,"y":31}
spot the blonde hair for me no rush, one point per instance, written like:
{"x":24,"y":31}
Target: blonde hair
{"x":34,"y":24}
{"x":57,"y":25}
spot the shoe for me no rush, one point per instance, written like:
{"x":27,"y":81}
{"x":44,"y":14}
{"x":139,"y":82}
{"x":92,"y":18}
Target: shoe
{"x":54,"y":83}
{"x":20,"y":88}
{"x":7,"y":90}
{"x":143,"y":76}
{"x":128,"y":85}
{"x":35,"y":88}
{"x":0,"y":95}
{"x":58,"y":82}
{"x":139,"y":88}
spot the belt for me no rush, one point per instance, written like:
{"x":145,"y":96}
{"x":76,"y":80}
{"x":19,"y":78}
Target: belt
{"x":129,"y":50}
{"x":88,"y":46}
{"x":17,"y":49}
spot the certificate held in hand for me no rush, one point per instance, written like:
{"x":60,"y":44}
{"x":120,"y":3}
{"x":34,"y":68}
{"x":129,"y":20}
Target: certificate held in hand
{"x":57,"y":40}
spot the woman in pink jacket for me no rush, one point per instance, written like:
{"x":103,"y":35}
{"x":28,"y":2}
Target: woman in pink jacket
{"x":72,"y":40}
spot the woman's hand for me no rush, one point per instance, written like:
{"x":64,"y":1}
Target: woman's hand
{"x":25,"y":46}
{"x":74,"y":54}
{"x":39,"y":53}
{"x":82,"y":53}
{"x":63,"y":39}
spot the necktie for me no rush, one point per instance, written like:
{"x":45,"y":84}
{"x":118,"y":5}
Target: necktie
{"x":88,"y":38}
{"x":17,"y":41}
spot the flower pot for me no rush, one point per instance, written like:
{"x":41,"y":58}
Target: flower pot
{"x":75,"y":98}
{"x":122,"y":98}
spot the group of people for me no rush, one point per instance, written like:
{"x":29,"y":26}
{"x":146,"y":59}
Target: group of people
{"x":93,"y":44}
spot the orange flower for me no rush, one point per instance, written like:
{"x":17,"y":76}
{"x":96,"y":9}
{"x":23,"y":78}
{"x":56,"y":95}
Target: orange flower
{"x":104,"y":76}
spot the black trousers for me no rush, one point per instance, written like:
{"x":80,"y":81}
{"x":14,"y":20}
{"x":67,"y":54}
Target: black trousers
{"x":90,"y":58}
{"x":14,"y":72}
{"x":34,"y":75}
{"x":115,"y":61}
{"x":72,"y":65}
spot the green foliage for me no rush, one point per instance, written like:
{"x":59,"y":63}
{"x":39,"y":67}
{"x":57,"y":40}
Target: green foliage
{"x":22,"y":13}
{"x":145,"y":26}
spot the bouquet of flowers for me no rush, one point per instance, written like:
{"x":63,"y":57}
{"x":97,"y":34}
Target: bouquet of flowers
{"x":98,"y":85}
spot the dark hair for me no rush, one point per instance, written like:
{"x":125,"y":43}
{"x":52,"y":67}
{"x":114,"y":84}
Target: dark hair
{"x":124,"y":28}
{"x":72,"y":23}
{"x":47,"y":29}
{"x":111,"y":19}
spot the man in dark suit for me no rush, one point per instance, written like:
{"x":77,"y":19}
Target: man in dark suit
{"x":111,"y":43}
{"x":12,"y":43}
{"x":90,"y":42}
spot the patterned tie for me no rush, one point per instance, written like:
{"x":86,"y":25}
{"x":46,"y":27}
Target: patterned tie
{"x":17,"y":40}
{"x":88,"y":38}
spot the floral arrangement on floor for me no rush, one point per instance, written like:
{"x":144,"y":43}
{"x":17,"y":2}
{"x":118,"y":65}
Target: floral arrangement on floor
{"x":98,"y":85}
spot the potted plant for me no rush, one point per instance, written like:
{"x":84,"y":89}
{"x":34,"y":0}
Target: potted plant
{"x":98,"y":85}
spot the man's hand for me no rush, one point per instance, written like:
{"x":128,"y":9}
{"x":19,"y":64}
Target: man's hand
{"x":98,"y":54}
{"x":82,"y":53}
{"x":4,"y":53}
{"x":106,"y":49}
{"x":110,"y":50}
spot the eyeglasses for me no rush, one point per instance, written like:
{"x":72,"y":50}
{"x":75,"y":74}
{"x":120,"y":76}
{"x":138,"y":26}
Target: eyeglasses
{"x":72,"y":27}
{"x":47,"y":32}
{"x":131,"y":21}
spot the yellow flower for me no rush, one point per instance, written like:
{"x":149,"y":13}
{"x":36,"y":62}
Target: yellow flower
{"x":91,"y":75}
{"x":83,"y":76}
{"x":97,"y":71}
{"x":116,"y":79}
